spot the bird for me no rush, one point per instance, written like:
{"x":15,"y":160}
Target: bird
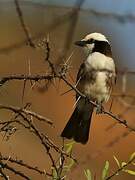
{"x":95,"y":79}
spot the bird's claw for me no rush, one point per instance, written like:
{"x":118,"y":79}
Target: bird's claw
{"x":99,"y":109}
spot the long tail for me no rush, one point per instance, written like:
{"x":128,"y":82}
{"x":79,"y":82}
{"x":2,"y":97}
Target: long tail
{"x":79,"y":124}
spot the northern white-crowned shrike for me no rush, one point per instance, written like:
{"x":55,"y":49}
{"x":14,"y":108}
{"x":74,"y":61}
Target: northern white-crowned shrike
{"x":95,"y":79}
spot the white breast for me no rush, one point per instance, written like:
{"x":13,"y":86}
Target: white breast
{"x":99,"y":61}
{"x":99,"y":90}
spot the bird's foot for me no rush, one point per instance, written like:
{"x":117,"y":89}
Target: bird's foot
{"x":99,"y":109}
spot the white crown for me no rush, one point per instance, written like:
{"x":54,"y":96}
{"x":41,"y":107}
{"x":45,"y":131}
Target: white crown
{"x":96,"y":36}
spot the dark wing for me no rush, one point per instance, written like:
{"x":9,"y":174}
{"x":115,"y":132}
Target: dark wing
{"x":81,"y":72}
{"x":80,"y":78}
{"x":85,"y":76}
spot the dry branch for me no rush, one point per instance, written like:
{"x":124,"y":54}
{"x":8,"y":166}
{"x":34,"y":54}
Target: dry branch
{"x":26,"y":112}
{"x":23,"y":164}
{"x":23,"y":25}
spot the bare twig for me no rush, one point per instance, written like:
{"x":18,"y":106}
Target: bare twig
{"x":23,"y":25}
{"x":13,"y":170}
{"x":23,"y":164}
{"x":47,"y":59}
{"x":26,"y":112}
{"x":23,"y":77}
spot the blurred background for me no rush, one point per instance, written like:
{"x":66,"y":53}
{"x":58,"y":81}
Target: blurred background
{"x":114,"y":19}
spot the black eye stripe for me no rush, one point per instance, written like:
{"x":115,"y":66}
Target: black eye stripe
{"x":90,"y":41}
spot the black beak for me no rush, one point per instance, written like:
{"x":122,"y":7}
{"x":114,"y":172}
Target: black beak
{"x":80,"y":43}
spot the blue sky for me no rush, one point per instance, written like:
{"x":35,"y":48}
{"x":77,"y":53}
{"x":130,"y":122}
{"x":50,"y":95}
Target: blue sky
{"x":124,"y":6}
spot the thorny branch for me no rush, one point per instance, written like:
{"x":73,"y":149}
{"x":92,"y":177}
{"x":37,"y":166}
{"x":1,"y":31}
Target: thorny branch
{"x":11,"y":169}
{"x":38,"y":77}
{"x":26,"y":112}
{"x":47,"y":59}
{"x":45,"y":141}
{"x":23,"y":164}
{"x":61,"y":76}
{"x":23,"y":77}
{"x":35,"y":131}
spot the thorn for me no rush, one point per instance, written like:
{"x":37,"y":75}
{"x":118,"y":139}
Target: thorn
{"x":76,"y":101}
{"x":69,"y":58}
{"x":29,"y":70}
{"x":78,"y":81}
{"x":66,"y":92}
{"x":33,"y":85}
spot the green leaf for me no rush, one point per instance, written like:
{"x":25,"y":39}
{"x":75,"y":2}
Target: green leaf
{"x":88,"y":174}
{"x":123,"y":164}
{"x":130,"y":171}
{"x":105,"y":170}
{"x":117,"y":161}
{"x":69,"y":147}
{"x":132,"y":156}
{"x":54,"y":173}
{"x":72,"y":162}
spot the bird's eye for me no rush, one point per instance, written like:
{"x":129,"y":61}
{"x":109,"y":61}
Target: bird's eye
{"x":90,"y":41}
